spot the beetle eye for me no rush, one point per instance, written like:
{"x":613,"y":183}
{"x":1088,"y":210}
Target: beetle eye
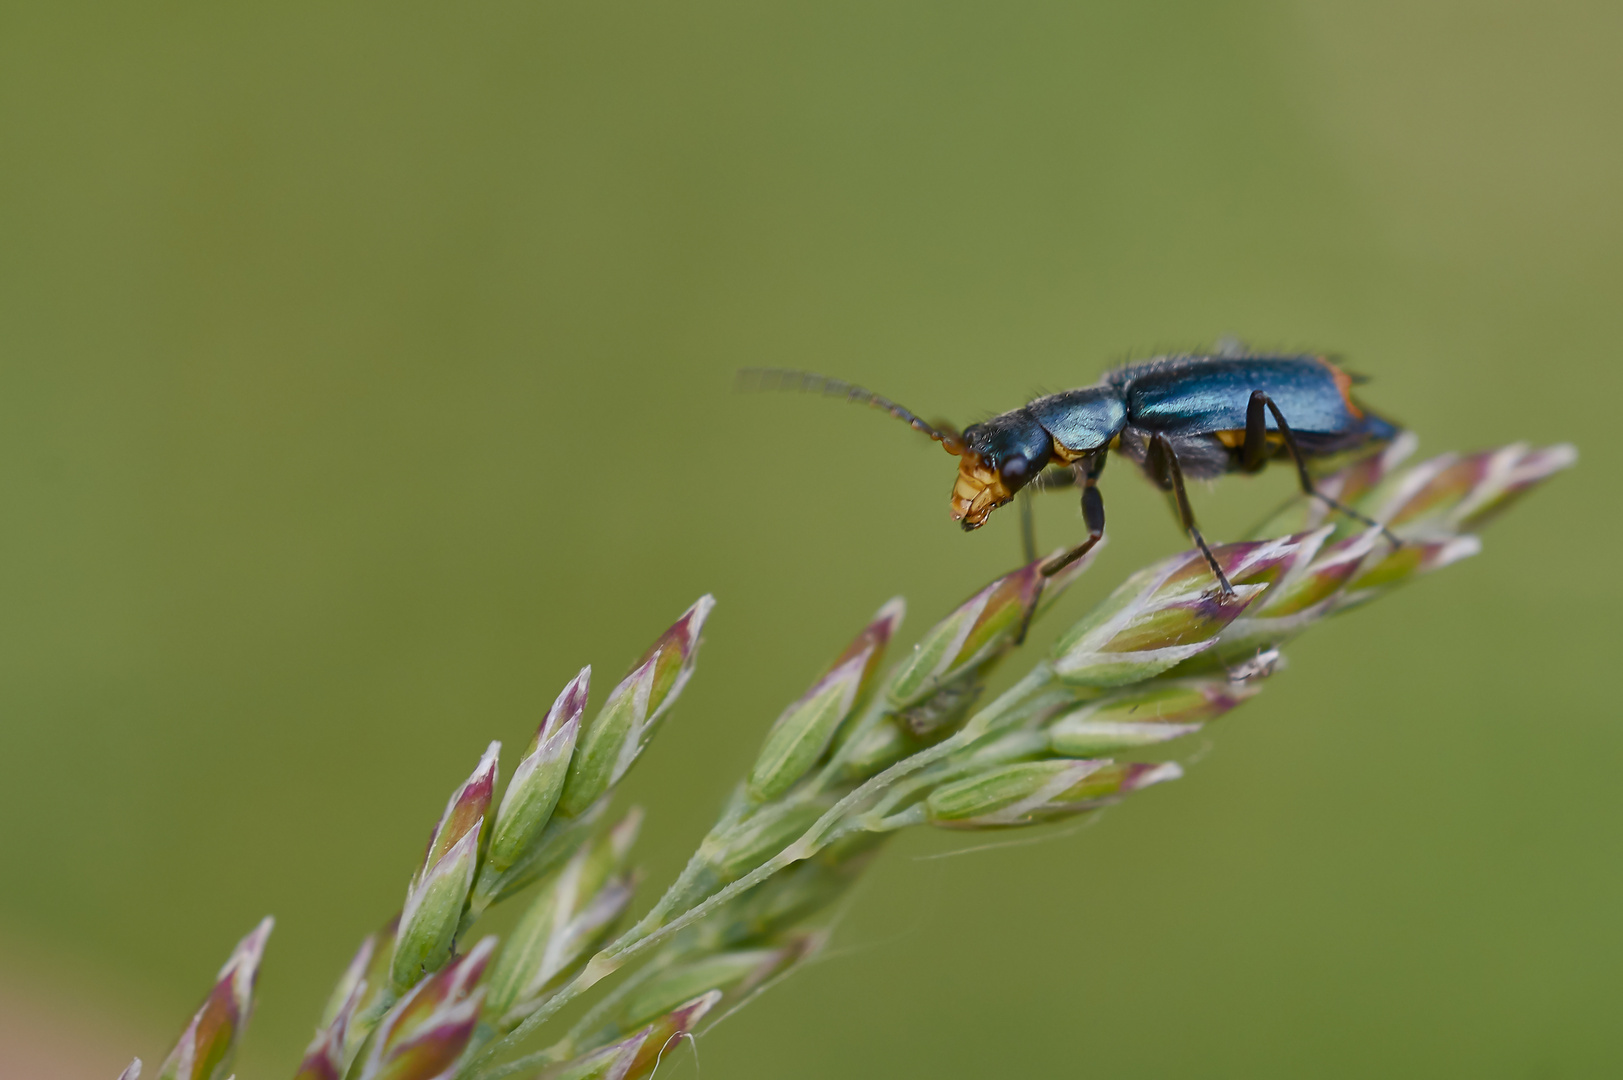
{"x":1015,"y":468}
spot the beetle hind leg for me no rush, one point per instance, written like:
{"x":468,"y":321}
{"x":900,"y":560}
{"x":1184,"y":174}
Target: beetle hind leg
{"x":1254,"y":454}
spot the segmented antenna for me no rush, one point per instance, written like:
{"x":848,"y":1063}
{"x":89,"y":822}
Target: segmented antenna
{"x":806,"y":382}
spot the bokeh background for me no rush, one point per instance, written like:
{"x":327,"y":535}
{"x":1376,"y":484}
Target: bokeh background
{"x":365,"y":369}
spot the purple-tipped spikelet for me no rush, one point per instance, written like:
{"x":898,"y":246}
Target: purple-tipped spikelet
{"x":1431,"y":505}
{"x":1382,"y":571}
{"x":352,"y":1008}
{"x":805,"y":729}
{"x":1154,"y":712}
{"x":1316,"y":570}
{"x":325,"y":1058}
{"x":1443,"y":496}
{"x":1169,"y":612}
{"x":1311,"y":585}
{"x":377,"y":993}
{"x":1427,"y":506}
{"x":528,"y":802}
{"x":357,"y":977}
{"x":1453,"y":493}
{"x":622,"y":727}
{"x":977,"y":630}
{"x":132,"y":1071}
{"x":439,"y":888}
{"x":424,"y":1036}
{"x":209,"y":1044}
{"x":936,"y":682}
{"x":1030,"y":792}
{"x":636,"y":1057}
{"x":933,"y":688}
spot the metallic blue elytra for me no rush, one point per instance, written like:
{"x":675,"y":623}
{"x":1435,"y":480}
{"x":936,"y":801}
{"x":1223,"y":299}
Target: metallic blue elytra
{"x":1191,"y":395}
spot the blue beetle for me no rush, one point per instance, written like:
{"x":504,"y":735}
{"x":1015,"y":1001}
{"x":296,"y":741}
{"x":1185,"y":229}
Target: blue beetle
{"x":1198,"y":415}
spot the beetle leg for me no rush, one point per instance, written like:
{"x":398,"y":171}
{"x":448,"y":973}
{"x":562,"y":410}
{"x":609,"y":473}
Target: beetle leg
{"x":1051,"y":479}
{"x":1028,"y":526}
{"x":1164,"y":466}
{"x":1254,"y":453}
{"x":1093,"y":514}
{"x":1055,"y":478}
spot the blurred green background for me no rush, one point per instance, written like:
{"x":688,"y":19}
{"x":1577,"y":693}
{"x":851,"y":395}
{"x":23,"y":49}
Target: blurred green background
{"x":365,"y":370}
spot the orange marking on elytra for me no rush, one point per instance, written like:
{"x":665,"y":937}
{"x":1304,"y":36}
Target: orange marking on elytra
{"x":1344,"y":384}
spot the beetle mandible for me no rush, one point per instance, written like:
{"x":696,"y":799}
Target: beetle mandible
{"x":1179,"y":417}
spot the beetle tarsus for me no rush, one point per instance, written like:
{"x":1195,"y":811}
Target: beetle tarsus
{"x":1342,"y":508}
{"x":1060,"y":562}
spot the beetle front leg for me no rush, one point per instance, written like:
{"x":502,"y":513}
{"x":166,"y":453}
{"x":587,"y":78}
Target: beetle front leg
{"x":1254,"y":455}
{"x":1028,"y":526}
{"x":1093,"y":515}
{"x":1052,"y":478}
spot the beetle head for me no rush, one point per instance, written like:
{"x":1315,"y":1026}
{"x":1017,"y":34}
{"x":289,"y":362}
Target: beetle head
{"x":999,"y":458}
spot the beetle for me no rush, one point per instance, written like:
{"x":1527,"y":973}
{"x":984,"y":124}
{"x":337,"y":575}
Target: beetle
{"x":1179,"y":417}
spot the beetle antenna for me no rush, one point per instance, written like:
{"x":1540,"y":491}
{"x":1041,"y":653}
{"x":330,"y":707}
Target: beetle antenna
{"x":806,"y":382}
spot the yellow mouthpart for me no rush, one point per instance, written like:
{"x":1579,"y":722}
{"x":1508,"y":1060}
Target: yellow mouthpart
{"x":977,"y":492}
